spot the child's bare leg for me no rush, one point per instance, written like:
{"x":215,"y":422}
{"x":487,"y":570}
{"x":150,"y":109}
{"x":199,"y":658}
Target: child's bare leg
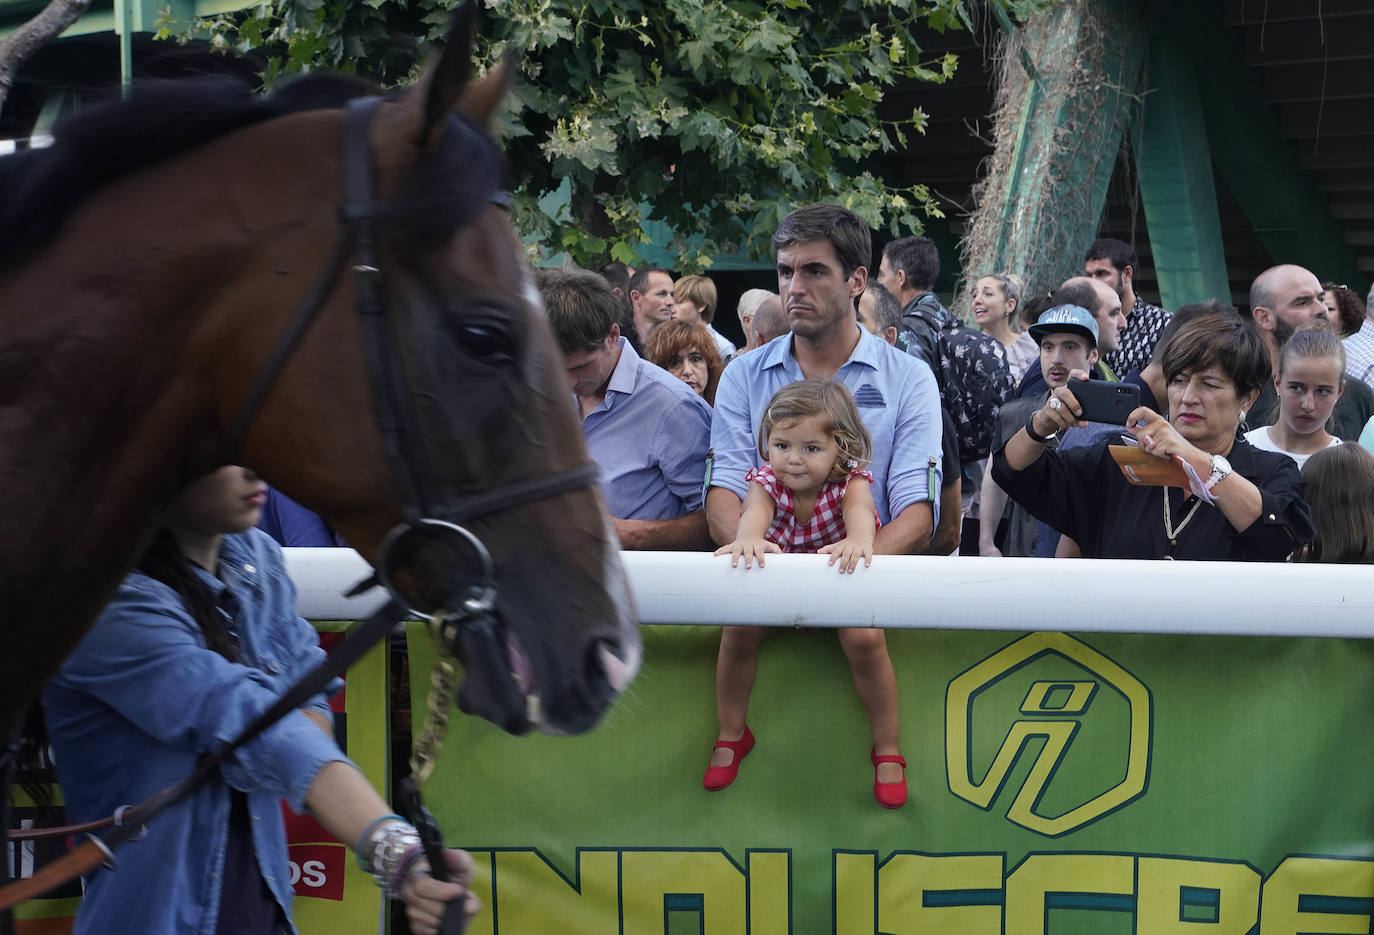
{"x":876,"y":683}
{"x":736,"y":666}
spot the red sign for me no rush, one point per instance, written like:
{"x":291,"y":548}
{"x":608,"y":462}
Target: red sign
{"x":318,"y":869}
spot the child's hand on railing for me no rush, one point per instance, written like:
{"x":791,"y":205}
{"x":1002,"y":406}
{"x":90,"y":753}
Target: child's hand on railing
{"x":750,"y":549}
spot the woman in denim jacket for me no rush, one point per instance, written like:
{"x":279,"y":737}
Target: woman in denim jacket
{"x":198,"y":641}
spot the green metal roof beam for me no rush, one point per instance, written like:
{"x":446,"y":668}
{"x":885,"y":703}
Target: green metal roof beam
{"x":1176,"y":186}
{"x":1287,"y":211}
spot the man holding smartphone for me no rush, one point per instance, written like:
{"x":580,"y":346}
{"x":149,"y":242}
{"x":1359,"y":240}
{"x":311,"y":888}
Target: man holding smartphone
{"x":1067,"y":335}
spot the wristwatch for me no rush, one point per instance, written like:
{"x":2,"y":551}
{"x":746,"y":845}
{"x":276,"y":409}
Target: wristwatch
{"x":1221,"y":469}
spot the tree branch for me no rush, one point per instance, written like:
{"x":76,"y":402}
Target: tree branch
{"x":33,"y":35}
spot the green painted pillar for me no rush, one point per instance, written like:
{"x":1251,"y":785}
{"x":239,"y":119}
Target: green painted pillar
{"x":1176,"y":187}
{"x":133,"y":16}
{"x":1058,"y":129}
{"x":1286,"y":210}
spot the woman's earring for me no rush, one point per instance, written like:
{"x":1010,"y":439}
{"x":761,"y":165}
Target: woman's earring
{"x":1241,"y":426}
{"x":851,"y":464}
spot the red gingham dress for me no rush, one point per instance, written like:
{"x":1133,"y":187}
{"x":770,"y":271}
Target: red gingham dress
{"x":826,"y":526}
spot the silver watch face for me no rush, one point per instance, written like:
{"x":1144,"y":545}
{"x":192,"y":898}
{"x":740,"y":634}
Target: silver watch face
{"x":1220,"y":465}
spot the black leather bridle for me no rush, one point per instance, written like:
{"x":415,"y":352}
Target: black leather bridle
{"x":469,"y":608}
{"x":420,"y":510}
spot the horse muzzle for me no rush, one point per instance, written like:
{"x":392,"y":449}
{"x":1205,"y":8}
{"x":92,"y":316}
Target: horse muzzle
{"x":515,"y":685}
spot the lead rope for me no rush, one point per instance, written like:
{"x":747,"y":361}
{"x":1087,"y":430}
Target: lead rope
{"x":443,"y":683}
{"x":424,"y":755}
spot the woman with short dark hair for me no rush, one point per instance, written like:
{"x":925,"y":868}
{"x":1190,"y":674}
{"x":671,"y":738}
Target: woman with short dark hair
{"x":1239,"y":503}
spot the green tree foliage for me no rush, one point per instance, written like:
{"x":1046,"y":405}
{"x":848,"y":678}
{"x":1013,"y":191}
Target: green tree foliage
{"x":716,"y":116}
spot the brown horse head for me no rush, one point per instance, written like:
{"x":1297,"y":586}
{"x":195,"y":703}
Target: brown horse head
{"x":485,"y":408}
{"x":194,"y":267}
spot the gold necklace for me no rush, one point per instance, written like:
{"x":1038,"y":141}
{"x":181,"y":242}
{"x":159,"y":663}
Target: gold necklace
{"x":1169,"y":529}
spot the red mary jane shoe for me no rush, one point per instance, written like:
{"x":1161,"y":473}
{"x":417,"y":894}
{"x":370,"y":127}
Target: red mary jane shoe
{"x":718,"y":777}
{"x":888,"y":794}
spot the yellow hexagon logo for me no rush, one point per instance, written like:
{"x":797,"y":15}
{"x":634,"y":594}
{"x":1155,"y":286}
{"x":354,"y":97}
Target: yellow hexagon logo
{"x":1053,"y":711}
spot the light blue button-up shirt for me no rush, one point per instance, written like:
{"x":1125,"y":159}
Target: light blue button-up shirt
{"x":138,"y":703}
{"x":897,"y":398}
{"x":649,"y":436}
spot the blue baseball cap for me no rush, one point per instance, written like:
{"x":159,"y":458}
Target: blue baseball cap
{"x":1066,"y":319}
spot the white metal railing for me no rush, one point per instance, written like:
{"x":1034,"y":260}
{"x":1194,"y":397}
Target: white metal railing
{"x":1252,"y":599}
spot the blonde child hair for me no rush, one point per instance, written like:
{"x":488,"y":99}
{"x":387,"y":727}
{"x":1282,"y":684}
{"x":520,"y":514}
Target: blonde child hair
{"x":700,"y":291}
{"x":830,"y":401}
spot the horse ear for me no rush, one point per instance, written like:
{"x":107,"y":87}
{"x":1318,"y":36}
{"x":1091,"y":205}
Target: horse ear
{"x":481,"y":99}
{"x":445,"y":81}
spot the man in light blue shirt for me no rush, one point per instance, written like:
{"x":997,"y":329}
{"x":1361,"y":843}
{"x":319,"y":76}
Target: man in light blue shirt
{"x":895,"y":392}
{"x":646,"y":429}
{"x":822,"y":252}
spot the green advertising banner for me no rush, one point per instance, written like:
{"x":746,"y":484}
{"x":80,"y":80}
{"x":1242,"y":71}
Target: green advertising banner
{"x":1060,"y":784}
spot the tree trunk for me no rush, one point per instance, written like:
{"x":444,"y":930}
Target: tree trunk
{"x":33,"y":35}
{"x":1071,"y":82}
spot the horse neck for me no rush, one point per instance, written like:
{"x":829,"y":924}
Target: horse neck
{"x":114,"y":343}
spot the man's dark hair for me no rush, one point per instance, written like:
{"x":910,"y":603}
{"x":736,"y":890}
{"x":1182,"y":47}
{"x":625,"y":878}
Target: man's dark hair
{"x":618,"y":275}
{"x":1035,"y":306}
{"x":581,"y":305}
{"x":886,"y":309}
{"x":846,"y":232}
{"x":918,"y":258}
{"x":639,"y":282}
{"x":1117,"y":251}
{"x":1077,"y":291}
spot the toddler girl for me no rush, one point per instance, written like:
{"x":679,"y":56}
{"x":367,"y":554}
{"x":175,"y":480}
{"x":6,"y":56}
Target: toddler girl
{"x":812,"y":496}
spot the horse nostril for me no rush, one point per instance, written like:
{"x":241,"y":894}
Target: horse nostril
{"x":606,"y":668}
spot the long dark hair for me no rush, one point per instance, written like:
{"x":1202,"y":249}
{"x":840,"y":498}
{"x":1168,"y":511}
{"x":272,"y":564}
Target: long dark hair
{"x":164,"y":561}
{"x":1340,"y":485}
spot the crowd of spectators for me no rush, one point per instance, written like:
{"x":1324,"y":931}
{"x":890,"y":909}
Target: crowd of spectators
{"x":646,"y":365}
{"x":1236,"y":435}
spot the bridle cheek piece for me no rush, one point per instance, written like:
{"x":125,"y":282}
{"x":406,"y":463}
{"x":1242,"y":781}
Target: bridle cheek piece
{"x":422,"y":514}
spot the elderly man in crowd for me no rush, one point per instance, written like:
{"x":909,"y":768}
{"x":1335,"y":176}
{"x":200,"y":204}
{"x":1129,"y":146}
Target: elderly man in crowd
{"x":1282,"y":299}
{"x":646,"y":429}
{"x":1113,"y":262}
{"x":748,"y":305}
{"x":769,"y":321}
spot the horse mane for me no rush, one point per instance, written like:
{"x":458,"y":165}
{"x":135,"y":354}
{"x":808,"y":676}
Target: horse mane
{"x":40,"y":188}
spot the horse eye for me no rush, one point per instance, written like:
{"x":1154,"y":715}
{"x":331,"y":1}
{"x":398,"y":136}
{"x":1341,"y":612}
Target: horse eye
{"x":487,"y":341}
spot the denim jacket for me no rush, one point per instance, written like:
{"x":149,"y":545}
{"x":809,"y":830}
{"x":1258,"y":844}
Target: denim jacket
{"x":138,"y":702}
